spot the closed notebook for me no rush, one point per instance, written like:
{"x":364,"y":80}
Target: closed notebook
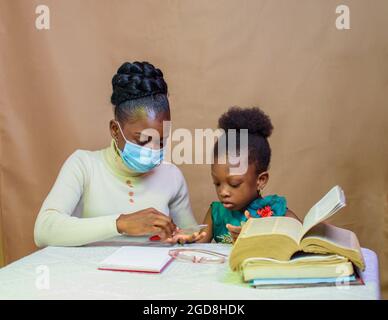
{"x":137,"y":259}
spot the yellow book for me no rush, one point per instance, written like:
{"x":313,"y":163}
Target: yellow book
{"x":300,"y":266}
{"x":279,"y":238}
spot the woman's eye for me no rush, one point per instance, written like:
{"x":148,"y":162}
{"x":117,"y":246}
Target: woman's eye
{"x":162,"y":143}
{"x":144,"y":140}
{"x":216,"y":184}
{"x":142,"y":143}
{"x":235,"y":185}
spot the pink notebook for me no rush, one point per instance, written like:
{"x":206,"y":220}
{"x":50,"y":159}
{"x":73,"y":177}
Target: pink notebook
{"x":137,"y":259}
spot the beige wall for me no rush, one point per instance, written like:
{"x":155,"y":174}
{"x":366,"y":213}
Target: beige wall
{"x":326,"y":91}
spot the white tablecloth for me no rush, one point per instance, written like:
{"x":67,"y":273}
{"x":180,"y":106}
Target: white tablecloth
{"x":71,"y":273}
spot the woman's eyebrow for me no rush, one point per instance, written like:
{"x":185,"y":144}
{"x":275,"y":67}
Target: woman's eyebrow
{"x":141,"y":134}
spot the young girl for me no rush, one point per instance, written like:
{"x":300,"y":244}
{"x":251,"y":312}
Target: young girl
{"x":241,"y":195}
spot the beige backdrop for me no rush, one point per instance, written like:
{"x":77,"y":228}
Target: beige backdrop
{"x":326,"y":91}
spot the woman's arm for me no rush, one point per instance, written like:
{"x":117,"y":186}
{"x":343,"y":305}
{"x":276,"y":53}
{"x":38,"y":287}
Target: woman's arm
{"x":55,"y":225}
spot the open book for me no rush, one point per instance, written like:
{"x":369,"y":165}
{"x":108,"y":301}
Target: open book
{"x":279,"y":238}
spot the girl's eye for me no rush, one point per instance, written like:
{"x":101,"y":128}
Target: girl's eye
{"x":216,"y":184}
{"x":235,"y":185}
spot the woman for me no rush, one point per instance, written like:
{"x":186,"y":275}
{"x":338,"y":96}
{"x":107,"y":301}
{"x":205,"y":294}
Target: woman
{"x":124,"y":188}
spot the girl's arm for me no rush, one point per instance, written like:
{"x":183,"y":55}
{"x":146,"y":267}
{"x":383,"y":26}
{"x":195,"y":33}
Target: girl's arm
{"x":290,"y":214}
{"x":209,"y":230}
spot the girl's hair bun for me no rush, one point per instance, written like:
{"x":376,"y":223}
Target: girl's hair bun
{"x":136,"y":80}
{"x":253,"y":119}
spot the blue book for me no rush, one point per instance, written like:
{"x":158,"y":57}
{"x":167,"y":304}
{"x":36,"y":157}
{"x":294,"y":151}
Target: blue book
{"x":302,"y":280}
{"x":305,"y":282}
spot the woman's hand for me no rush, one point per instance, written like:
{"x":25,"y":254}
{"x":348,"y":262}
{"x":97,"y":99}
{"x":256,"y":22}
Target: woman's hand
{"x":145,"y":222}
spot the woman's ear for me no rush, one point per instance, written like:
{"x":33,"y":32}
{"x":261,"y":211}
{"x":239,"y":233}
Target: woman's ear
{"x":114,"y":130}
{"x":262,"y":180}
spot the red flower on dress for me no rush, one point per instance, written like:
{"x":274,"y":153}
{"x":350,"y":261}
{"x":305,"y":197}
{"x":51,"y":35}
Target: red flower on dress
{"x":265,"y":212}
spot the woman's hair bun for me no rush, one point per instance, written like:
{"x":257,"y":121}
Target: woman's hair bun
{"x":136,"y":80}
{"x":253,"y":119}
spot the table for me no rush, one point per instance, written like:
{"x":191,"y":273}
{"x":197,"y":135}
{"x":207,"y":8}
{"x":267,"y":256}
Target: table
{"x":71,"y":273}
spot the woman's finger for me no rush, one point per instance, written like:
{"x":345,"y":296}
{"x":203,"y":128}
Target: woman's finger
{"x":171,"y":240}
{"x":165,"y":225}
{"x":162,"y":216}
{"x":155,"y":215}
{"x":155,"y":230}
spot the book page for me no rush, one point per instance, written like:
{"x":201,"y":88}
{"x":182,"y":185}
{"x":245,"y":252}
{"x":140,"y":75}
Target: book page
{"x":300,"y":258}
{"x":273,"y":225}
{"x":342,"y":238}
{"x":325,"y":238}
{"x":323,"y":209}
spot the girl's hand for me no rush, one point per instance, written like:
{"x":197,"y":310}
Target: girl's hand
{"x":144,"y":222}
{"x":235,"y":230}
{"x":186,"y":238}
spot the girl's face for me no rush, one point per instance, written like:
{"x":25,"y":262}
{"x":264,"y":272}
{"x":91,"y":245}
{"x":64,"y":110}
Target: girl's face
{"x":145,"y":130}
{"x":236,"y":192}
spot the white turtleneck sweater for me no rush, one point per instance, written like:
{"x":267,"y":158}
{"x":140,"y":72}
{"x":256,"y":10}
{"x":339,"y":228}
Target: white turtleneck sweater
{"x":94,"y":187}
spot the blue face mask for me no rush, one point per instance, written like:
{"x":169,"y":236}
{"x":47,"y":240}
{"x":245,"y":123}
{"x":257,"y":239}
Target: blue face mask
{"x":140,"y":159}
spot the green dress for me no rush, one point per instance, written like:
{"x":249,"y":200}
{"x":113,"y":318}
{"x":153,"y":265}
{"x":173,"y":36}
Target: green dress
{"x":272,"y":205}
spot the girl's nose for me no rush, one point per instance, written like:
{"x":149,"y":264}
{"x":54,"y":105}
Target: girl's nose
{"x":224,"y":193}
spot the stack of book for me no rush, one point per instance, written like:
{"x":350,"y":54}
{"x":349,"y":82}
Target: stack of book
{"x":281,"y":252}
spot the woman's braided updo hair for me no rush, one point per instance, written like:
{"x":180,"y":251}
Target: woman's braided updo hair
{"x":138,"y":85}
